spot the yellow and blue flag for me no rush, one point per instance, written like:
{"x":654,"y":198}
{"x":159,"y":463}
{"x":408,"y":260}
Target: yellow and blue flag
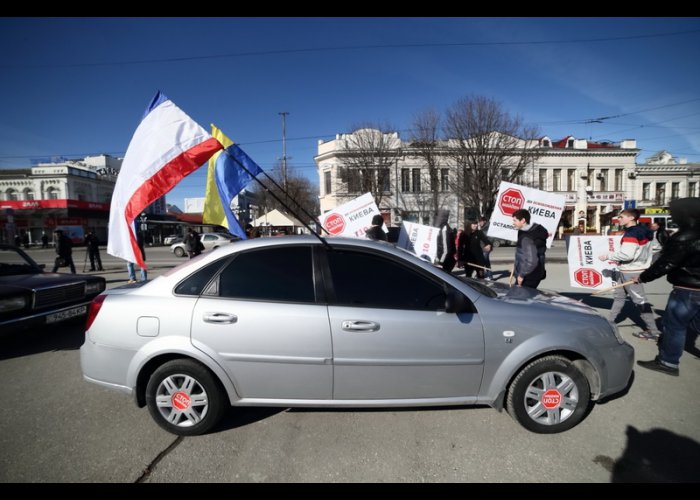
{"x":229,"y":172}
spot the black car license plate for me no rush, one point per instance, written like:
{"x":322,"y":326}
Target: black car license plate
{"x":67,"y":314}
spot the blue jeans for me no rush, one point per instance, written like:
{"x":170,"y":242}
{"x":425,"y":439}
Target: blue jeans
{"x":682,"y":310}
{"x":132,"y":272}
{"x":487,"y":263}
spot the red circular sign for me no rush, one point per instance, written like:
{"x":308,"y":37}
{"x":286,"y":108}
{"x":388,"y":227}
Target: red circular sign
{"x":551,"y":399}
{"x":181,"y":401}
{"x":335,"y":224}
{"x":589,"y":278}
{"x":510,"y":201}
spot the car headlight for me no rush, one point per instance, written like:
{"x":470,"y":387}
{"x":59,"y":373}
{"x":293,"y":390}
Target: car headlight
{"x":12,"y":304}
{"x":95,"y":287}
{"x":616,"y":332}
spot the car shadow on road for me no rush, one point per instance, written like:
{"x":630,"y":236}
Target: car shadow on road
{"x":655,"y":456}
{"x":628,"y":311}
{"x":64,"y":336}
{"x":242,"y":415}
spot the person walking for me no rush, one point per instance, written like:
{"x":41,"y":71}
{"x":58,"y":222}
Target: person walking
{"x":44,"y":240}
{"x":375,"y":232}
{"x":193,"y":244}
{"x":530,"y":250}
{"x":679,"y":260}
{"x":64,"y":250}
{"x":486,"y":249}
{"x":469,"y":249}
{"x":660,"y":238}
{"x":130,"y":265}
{"x":446,"y":247}
{"x":633,"y":257}
{"x":93,"y":248}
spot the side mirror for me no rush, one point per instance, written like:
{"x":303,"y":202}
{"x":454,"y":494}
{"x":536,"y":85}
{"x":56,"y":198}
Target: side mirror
{"x":455,"y":302}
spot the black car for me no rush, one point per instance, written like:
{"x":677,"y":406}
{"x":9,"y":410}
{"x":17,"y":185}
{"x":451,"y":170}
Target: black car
{"x":31,"y":297}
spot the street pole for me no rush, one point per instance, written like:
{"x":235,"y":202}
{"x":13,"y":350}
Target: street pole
{"x":284,"y":147}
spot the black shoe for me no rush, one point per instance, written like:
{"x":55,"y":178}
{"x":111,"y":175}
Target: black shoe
{"x":92,"y":269}
{"x":656,"y":365}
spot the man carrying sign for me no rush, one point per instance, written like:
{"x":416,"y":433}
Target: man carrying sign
{"x":530,"y":250}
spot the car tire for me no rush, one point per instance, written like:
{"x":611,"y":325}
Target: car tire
{"x":184,"y":398}
{"x":179,"y":252}
{"x":496,"y":243}
{"x":549,"y":395}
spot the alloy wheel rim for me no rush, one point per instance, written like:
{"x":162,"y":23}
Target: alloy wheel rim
{"x":551,"y":398}
{"x":181,"y":400}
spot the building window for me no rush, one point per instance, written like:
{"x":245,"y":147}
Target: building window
{"x":327,"y":182}
{"x":354,"y":181}
{"x":405,"y":180}
{"x":543,"y":179}
{"x":646,"y":191}
{"x":444,"y":179}
{"x":570,"y":143}
{"x":12,"y":195}
{"x":546,"y":143}
{"x":692,"y":189}
{"x":675,"y":190}
{"x":383,"y":180}
{"x":571,"y":180}
{"x":28,"y":194}
{"x":415,"y":173}
{"x":660,"y":194}
{"x":603,"y":178}
{"x":618,"y":179}
{"x":556,"y":179}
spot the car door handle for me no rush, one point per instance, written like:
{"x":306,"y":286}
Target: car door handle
{"x":217,"y":317}
{"x":359,"y":326}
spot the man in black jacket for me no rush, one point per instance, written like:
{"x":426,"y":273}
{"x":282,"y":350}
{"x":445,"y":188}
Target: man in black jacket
{"x":530,"y":250}
{"x":64,"y":249}
{"x":680,"y":261}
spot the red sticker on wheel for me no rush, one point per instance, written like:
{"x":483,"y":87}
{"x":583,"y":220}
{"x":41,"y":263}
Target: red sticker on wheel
{"x":551,"y":399}
{"x":181,"y":401}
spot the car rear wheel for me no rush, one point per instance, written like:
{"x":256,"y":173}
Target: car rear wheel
{"x":184,"y":398}
{"x":549,"y":395}
{"x":179,"y":251}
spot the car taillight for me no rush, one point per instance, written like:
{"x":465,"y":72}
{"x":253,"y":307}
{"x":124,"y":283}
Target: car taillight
{"x":95,"y":307}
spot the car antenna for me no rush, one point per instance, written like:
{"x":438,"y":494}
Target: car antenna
{"x":287,"y":207}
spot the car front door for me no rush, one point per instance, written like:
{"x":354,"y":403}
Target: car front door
{"x":261,"y":321}
{"x":392,"y":338}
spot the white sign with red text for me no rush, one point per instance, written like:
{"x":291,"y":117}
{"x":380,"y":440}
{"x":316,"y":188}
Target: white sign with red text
{"x":545,"y":208}
{"x":352,"y":219}
{"x":586,"y":270}
{"x":419,"y":239}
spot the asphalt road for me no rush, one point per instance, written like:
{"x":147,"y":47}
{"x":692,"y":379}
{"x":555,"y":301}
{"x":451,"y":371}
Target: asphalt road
{"x":55,"y":427}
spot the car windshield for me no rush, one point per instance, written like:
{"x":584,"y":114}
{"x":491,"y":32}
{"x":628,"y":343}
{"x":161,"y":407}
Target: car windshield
{"x":13,"y":261}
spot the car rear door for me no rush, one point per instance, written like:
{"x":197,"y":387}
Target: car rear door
{"x":260,"y":319}
{"x":392,"y":338}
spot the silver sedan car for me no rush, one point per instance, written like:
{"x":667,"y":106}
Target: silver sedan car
{"x":302,"y":322}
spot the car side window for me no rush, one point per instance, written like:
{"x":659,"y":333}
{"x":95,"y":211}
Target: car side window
{"x":279,"y":274}
{"x":195,"y":283}
{"x":367,"y":280}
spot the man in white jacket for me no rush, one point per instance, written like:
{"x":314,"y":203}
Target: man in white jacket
{"x":633,"y":258}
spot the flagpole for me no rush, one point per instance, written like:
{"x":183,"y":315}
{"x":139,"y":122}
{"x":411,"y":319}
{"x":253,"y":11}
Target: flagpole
{"x":279,"y":200}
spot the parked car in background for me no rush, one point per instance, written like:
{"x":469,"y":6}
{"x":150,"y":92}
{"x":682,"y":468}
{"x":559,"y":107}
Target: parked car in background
{"x":295,"y":322}
{"x":499,"y":242}
{"x":31,"y":297}
{"x":209,"y":240}
{"x":172,"y":239}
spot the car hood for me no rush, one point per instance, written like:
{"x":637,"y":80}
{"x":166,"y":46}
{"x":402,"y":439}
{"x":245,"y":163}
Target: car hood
{"x":526,"y":295}
{"x":18,"y":282}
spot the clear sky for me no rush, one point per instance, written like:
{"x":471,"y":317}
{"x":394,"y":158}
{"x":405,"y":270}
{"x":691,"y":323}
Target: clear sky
{"x":77,"y":87}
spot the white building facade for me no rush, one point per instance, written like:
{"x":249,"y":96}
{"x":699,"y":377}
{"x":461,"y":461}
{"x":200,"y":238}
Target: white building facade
{"x":597,"y":179}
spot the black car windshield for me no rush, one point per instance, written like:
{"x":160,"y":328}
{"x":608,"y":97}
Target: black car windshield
{"x":13,"y":262}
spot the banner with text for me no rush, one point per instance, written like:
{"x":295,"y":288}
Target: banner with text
{"x":586,"y":270}
{"x":545,"y":208}
{"x":352,"y":219}
{"x":419,"y":239}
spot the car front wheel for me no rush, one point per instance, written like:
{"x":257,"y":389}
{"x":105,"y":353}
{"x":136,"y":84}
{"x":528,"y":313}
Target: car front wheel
{"x":184,"y":398}
{"x":179,"y":251}
{"x":549,"y":395}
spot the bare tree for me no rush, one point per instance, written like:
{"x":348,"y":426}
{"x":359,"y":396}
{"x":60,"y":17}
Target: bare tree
{"x":370,"y":152}
{"x":426,"y":144}
{"x":488,"y":146}
{"x":301,"y":194}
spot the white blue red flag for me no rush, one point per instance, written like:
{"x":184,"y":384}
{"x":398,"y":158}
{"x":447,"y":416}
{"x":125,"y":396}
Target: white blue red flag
{"x":167,"y":146}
